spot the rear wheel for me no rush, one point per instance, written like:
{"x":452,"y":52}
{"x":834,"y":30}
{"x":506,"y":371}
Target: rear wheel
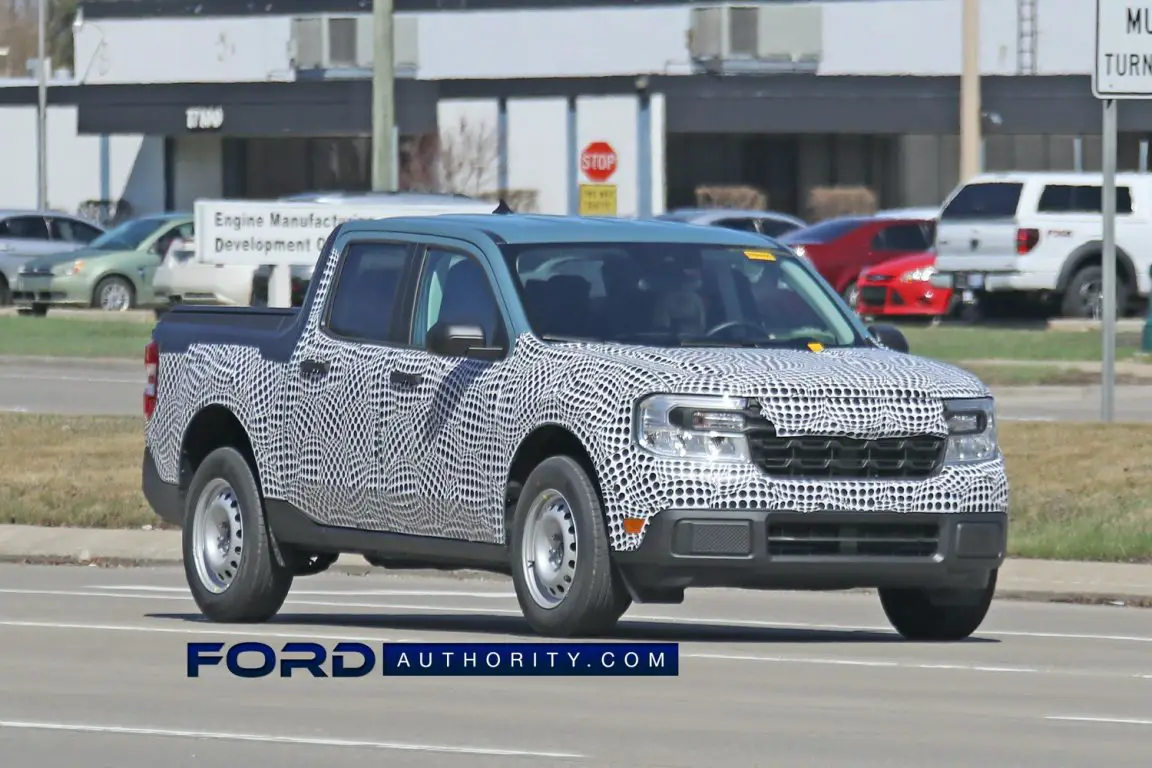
{"x":232,"y":571}
{"x":938,"y":614}
{"x":561,"y":559}
{"x":1084,"y":296}
{"x":114,"y":294}
{"x":5,"y":293}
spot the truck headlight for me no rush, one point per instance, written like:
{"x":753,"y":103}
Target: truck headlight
{"x":971,"y":431}
{"x":693,"y":427}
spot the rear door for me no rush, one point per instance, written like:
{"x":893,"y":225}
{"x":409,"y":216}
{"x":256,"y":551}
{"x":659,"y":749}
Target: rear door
{"x":977,"y":228}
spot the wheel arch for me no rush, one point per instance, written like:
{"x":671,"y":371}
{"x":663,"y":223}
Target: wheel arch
{"x":1091,"y":254}
{"x":96,"y":281}
{"x":214,"y":426}
{"x":546,"y":440}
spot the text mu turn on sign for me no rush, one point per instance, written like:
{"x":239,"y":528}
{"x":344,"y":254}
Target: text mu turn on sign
{"x":1123,"y":50}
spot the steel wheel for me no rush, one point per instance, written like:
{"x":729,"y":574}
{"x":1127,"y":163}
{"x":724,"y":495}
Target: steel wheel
{"x":115,"y":296}
{"x":549,"y":547}
{"x":217,"y":533}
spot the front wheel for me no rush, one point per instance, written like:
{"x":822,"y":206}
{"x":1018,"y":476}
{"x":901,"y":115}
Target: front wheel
{"x":561,"y":560}
{"x":232,"y":571}
{"x":938,"y":614}
{"x":114,"y":294}
{"x":852,"y":295}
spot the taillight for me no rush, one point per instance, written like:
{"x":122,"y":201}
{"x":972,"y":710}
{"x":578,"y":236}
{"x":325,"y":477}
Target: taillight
{"x":1026,"y":240}
{"x":151,"y":368}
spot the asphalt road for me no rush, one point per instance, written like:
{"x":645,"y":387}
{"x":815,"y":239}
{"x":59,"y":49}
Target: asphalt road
{"x":93,"y":672}
{"x":116,"y":387}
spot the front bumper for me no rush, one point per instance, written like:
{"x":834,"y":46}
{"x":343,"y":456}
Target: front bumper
{"x":901,"y":299}
{"x":815,"y":550}
{"x":55,"y":291}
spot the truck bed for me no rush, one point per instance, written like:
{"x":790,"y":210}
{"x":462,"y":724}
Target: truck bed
{"x":273,"y":330}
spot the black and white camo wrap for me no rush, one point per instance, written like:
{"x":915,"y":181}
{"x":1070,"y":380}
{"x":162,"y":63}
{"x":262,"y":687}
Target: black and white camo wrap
{"x":354,"y":450}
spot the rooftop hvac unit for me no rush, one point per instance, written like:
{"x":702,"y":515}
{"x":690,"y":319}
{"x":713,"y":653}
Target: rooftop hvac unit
{"x":741,"y":37}
{"x":328,"y":42}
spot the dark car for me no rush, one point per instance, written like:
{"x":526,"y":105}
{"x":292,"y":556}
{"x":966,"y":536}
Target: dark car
{"x":839,"y":248}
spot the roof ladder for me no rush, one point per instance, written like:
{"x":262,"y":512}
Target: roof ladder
{"x":1027,"y":34}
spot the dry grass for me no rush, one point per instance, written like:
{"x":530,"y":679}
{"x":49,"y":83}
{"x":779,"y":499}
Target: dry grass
{"x":1079,"y":491}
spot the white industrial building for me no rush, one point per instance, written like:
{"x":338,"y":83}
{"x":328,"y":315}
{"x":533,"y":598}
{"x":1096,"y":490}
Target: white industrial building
{"x":171,"y":101}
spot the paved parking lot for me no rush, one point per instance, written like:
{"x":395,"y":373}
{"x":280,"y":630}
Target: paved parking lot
{"x":93,"y":672}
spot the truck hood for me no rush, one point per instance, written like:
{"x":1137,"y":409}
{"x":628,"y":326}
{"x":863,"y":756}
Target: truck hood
{"x":862,"y":391}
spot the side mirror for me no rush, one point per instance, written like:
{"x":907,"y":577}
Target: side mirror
{"x":461,"y":340}
{"x":890,"y":336}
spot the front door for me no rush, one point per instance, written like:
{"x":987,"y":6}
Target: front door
{"x":341,"y":399}
{"x":454,"y":436}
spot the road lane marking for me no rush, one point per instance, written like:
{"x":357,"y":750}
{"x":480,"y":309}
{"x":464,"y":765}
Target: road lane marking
{"x":663,"y":619}
{"x":324,"y":593}
{"x":85,"y":379}
{"x":258,"y":630}
{"x":1113,"y":720}
{"x":298,"y":740}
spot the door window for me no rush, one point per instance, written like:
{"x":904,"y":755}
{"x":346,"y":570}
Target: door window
{"x":24,"y":228}
{"x":164,"y":242}
{"x":902,"y":237}
{"x":73,"y":231}
{"x":1084,"y":198}
{"x":455,"y":289}
{"x":366,"y":295}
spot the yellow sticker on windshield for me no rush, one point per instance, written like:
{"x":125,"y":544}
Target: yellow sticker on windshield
{"x":760,"y":255}
{"x":816,"y":346}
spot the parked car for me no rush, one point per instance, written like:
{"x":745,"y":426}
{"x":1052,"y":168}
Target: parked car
{"x":770,"y":223}
{"x":839,"y":248}
{"x":114,"y":272}
{"x":432,"y":405}
{"x":902,"y":287}
{"x":1007,"y":239}
{"x":27,"y":234}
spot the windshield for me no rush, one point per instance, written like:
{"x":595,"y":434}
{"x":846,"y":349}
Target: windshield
{"x":824,"y":232}
{"x":127,"y":236}
{"x":677,"y":294}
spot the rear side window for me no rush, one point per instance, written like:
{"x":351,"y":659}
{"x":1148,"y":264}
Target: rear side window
{"x":903,"y":237}
{"x":1083,"y":198}
{"x":744,"y":225}
{"x":24,"y":228}
{"x":991,"y":200}
{"x":824,"y":232}
{"x":776,"y":227}
{"x":367,"y":291}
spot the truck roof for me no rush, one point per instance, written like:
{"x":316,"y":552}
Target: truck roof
{"x":519,"y":228}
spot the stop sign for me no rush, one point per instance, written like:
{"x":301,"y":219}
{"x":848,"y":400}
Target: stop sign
{"x":598,"y":161}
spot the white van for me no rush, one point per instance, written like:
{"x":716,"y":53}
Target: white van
{"x":185,"y":277}
{"x":1039,"y":235}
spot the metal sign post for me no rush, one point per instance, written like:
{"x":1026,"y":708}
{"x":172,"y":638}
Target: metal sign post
{"x":1122,"y":71}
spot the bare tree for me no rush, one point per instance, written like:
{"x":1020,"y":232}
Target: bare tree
{"x":18,"y":34}
{"x":467,"y":158}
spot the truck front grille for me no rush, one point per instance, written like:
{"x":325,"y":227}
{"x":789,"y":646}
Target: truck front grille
{"x":846,"y":457}
{"x":803,"y":539}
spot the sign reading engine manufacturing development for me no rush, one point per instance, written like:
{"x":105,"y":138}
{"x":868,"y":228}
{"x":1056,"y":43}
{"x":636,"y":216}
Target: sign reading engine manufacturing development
{"x":286,"y":233}
{"x":1123,"y":50}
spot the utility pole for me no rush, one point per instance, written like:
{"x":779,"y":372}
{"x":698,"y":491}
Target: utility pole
{"x":970,"y":139}
{"x":42,"y":108}
{"x":383,"y":97}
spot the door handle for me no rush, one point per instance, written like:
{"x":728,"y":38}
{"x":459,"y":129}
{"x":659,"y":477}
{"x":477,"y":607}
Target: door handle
{"x":403,"y":378}
{"x":314,"y":367}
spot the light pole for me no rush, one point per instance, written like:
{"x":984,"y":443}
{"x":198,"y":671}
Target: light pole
{"x":42,"y":108}
{"x":970,"y":140}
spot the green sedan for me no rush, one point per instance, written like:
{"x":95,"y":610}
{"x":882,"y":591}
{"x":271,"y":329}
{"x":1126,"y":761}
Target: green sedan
{"x":114,"y":272}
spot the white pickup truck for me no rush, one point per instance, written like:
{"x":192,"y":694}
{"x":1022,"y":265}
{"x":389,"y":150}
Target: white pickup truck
{"x":1038,"y":235}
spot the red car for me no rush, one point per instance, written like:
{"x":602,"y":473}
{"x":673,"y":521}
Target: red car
{"x":840,"y":248}
{"x":901,"y":287}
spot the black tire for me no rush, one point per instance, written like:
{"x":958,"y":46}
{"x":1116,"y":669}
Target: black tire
{"x":938,"y":615}
{"x":36,"y":310}
{"x":1077,"y":298}
{"x":5,"y":293}
{"x":108,"y":282}
{"x":596,"y":597}
{"x":259,"y":585}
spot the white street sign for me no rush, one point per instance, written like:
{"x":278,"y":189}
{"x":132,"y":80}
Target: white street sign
{"x":1123,"y":50}
{"x":286,"y":233}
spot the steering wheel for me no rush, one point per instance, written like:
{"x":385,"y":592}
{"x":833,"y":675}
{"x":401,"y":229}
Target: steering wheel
{"x":732,"y":324}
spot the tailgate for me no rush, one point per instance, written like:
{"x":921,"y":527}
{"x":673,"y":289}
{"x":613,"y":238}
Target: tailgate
{"x":977,"y":229}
